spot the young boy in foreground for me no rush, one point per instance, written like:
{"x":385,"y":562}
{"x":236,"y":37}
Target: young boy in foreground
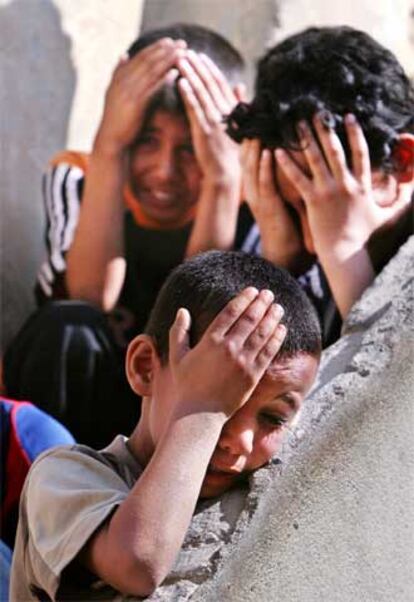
{"x":223,"y":371}
{"x":328,"y":156}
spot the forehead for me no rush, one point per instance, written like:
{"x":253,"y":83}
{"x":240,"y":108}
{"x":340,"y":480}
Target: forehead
{"x":289,"y":375}
{"x":172,"y":121}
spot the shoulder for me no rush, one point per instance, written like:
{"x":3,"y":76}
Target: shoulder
{"x":80,"y":488}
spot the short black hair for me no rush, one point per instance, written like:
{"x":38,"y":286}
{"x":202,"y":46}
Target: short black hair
{"x":204,"y":284}
{"x":334,"y":69}
{"x":200,"y":39}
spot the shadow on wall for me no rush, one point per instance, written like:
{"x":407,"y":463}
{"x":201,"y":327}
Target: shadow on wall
{"x":37,"y":87}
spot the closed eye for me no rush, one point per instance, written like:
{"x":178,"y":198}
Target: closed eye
{"x":273,"y":420}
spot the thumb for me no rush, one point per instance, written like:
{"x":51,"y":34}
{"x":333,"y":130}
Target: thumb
{"x":179,"y":336}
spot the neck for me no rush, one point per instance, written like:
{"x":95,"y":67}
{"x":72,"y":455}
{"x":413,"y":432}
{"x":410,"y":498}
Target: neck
{"x":140,"y":442}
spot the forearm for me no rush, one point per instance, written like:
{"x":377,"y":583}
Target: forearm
{"x":278,"y":247}
{"x":349,"y":273}
{"x":95,"y":264}
{"x":216,"y":220}
{"x":148,"y":529}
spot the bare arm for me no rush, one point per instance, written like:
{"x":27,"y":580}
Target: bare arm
{"x":208,"y":97}
{"x":136,"y":549}
{"x":95,"y":261}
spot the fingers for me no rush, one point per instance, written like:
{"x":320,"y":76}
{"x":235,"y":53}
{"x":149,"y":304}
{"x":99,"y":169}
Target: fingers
{"x":264,"y":330}
{"x":272,"y":347}
{"x":293,"y":172}
{"x":210,"y":89}
{"x":222,"y":83}
{"x":250,"y":161}
{"x":249,"y":320}
{"x":266,"y":176}
{"x":332,"y":148}
{"x":313,"y":153}
{"x":211,"y":109}
{"x":240,"y":92}
{"x":231,"y":313}
{"x":179,"y":342}
{"x":192,"y":106}
{"x":361,"y":166}
{"x":149,"y":66}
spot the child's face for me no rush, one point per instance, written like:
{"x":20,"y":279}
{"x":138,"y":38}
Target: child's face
{"x":253,"y":435}
{"x":164,"y":173}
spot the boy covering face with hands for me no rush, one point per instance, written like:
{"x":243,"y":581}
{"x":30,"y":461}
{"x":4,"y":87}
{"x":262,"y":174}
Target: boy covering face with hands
{"x":162,"y":182}
{"x":328,"y":156}
{"x":223,"y":371}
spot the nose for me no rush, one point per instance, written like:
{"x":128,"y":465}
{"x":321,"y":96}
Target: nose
{"x":237,"y":437}
{"x":165,"y":167}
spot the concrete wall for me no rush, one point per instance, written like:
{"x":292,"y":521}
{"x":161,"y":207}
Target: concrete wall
{"x":56,"y":59}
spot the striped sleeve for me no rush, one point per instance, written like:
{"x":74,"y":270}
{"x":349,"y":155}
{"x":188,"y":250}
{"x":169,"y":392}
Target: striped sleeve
{"x":62,"y":192}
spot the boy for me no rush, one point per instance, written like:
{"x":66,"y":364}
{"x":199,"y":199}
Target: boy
{"x":221,"y":381}
{"x":328,"y":158}
{"x":162,"y":182}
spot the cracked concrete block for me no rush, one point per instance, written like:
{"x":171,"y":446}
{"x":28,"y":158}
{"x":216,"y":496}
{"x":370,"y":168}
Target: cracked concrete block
{"x":332,"y":518}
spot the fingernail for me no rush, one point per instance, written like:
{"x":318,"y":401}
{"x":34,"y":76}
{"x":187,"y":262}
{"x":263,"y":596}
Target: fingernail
{"x":267,"y":295}
{"x":280,"y":154}
{"x":278,"y":310}
{"x":183,"y":83}
{"x":350,"y":118}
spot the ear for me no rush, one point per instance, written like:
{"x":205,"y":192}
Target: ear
{"x":141,"y":359}
{"x":403,"y":156}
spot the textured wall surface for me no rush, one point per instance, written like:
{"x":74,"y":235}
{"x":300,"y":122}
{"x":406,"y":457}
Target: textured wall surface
{"x":332,"y":519}
{"x":56,"y":58}
{"x":246,"y":24}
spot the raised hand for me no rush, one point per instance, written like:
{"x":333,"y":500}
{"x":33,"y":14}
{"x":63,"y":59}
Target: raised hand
{"x":133,"y":83}
{"x":340,"y":204}
{"x":280,"y":237}
{"x":342,"y":211}
{"x":221,"y":371}
{"x":208,"y":97}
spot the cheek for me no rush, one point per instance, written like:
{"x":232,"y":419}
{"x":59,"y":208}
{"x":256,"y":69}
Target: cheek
{"x":265,"y":447}
{"x":192,"y":176}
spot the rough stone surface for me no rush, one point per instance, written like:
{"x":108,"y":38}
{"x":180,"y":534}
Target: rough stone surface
{"x":333,"y":517}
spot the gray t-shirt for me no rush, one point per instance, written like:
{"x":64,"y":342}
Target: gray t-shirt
{"x":69,"y":492}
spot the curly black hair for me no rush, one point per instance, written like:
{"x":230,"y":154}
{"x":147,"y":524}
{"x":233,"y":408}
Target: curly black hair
{"x":336,"y":70}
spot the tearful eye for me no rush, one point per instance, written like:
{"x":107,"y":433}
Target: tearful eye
{"x":273,"y":420}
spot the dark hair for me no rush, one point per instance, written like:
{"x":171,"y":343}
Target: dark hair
{"x":338,"y":70}
{"x":205,"y":283}
{"x":200,"y":39}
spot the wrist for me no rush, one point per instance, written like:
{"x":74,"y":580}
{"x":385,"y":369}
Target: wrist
{"x":222,"y":184}
{"x":106,"y":146}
